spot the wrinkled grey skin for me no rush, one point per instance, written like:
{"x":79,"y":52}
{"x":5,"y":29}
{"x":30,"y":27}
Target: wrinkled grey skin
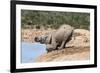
{"x":56,"y":40}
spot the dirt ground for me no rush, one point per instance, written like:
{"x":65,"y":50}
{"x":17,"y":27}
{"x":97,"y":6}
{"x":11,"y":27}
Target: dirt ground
{"x":77,"y":49}
{"x":29,"y":34}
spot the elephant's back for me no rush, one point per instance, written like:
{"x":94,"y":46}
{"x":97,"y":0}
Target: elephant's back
{"x":64,"y":30}
{"x":65,"y":27}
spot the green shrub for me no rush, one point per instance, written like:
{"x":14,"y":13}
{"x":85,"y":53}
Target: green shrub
{"x":54,"y":19}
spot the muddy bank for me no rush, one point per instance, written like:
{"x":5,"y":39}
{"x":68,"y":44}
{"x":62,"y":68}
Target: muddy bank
{"x":67,"y":54}
{"x":77,"y":49}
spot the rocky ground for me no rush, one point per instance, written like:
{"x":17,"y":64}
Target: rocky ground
{"x":77,"y":49}
{"x":29,"y":34}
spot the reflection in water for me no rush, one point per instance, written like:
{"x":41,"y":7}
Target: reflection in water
{"x":30,"y":51}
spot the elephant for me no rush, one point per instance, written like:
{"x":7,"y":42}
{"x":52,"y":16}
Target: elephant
{"x":58,"y":39}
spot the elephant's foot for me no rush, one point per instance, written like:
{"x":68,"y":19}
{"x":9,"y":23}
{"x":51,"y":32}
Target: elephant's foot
{"x":59,"y":48}
{"x":48,"y":50}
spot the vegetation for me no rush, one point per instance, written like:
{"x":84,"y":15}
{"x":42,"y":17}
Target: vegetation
{"x":54,"y":19}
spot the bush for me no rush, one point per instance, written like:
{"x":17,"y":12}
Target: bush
{"x":54,"y":19}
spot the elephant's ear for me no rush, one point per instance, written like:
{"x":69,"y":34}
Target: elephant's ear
{"x":49,"y":39}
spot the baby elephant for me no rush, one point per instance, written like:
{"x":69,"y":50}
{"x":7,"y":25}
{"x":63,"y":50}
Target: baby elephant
{"x":58,"y":39}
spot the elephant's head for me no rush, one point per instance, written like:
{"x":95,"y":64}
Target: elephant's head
{"x":41,"y":39}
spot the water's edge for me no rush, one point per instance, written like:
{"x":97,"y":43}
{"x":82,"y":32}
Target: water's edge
{"x":30,"y":51}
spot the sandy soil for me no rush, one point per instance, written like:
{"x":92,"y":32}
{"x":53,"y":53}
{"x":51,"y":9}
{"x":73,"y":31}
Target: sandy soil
{"x":66,"y":54}
{"x":77,"y":49}
{"x":29,"y":34}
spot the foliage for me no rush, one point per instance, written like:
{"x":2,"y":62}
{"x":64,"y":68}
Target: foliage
{"x":54,"y":19}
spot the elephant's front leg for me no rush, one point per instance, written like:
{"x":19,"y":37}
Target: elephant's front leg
{"x":54,"y":43}
{"x":62,"y":45}
{"x":50,"y":47}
